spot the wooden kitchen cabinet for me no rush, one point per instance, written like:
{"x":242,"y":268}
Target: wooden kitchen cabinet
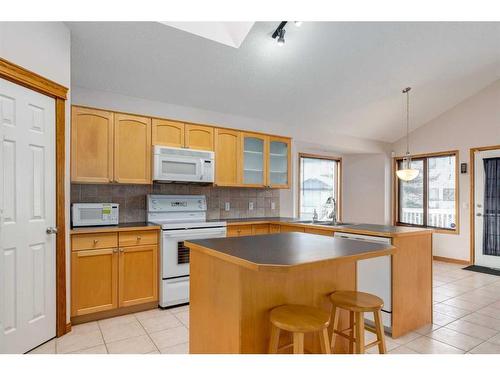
{"x":322,"y":232}
{"x":227,"y":161}
{"x":199,"y":137}
{"x":132,"y":142}
{"x":138,"y":275}
{"x":91,"y":145}
{"x":168,"y":133}
{"x":279,"y":162}
{"x":274,"y":228}
{"x":290,"y":228}
{"x":254,"y":150}
{"x":258,"y":229}
{"x":239,"y":230}
{"x":94,"y":281}
{"x":109,"y":279}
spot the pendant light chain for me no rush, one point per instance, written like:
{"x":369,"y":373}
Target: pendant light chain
{"x":407,"y":121}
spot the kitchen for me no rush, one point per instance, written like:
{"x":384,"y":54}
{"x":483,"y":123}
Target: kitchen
{"x":180,"y":227}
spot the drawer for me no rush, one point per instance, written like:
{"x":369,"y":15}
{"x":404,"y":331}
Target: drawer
{"x":321,"y":232}
{"x":93,"y":241}
{"x":239,"y":230}
{"x":274,"y":228}
{"x":291,"y":228}
{"x":260,"y":229}
{"x":133,"y":238}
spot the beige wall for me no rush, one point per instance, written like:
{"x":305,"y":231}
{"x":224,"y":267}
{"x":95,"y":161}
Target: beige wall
{"x":473,"y":123}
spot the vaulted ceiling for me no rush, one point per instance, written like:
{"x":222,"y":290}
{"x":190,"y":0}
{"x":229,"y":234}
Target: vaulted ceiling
{"x":345,"y":77}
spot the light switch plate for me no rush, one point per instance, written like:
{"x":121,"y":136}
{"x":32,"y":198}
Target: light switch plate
{"x":250,"y":206}
{"x":273,"y":206}
{"x":227,"y":206}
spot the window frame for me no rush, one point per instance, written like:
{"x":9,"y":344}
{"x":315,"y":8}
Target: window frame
{"x":338,"y":177}
{"x":396,"y":188}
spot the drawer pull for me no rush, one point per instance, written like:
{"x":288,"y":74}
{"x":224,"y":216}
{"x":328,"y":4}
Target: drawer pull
{"x":95,"y":242}
{"x":138,"y":238}
{"x":115,"y":250}
{"x":121,"y":250}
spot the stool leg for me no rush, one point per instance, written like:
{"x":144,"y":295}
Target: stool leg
{"x":324,"y":342}
{"x":274,"y":339}
{"x":335,"y":326}
{"x":298,"y":343}
{"x":379,"y":327}
{"x":351,"y":332}
{"x":360,"y":333}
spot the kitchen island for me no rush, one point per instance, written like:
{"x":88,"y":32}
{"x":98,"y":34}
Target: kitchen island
{"x":235,"y":282}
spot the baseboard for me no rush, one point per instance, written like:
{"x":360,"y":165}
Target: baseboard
{"x":68,"y":327}
{"x":451,"y":260}
{"x":112,"y":313}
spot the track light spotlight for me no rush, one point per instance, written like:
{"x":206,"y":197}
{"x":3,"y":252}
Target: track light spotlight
{"x":281,"y":38}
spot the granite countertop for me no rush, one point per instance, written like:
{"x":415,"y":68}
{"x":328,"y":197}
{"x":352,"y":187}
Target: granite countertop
{"x":116,"y":228}
{"x":288,"y":249}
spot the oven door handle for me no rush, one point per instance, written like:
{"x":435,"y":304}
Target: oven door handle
{"x":194,"y":233}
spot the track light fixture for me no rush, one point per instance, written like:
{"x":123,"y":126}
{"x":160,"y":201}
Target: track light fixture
{"x":279,"y":33}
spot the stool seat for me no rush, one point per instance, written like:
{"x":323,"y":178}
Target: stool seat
{"x":299,"y":318}
{"x":356,"y":301}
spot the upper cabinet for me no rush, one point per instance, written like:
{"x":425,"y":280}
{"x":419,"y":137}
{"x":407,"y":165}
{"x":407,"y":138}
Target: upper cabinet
{"x":115,"y":147}
{"x":168,"y":133}
{"x":279,"y":162}
{"x":199,"y":137}
{"x":91,"y":145}
{"x":227,"y":166}
{"x":132,"y":149}
{"x":254,"y":159}
{"x":177,"y":134}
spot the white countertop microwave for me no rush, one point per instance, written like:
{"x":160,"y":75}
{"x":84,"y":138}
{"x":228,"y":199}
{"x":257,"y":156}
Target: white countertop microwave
{"x":183,"y":165}
{"x":94,"y":214}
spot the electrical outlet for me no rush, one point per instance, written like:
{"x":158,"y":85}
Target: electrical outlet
{"x":227,"y":206}
{"x":250,"y":206}
{"x":273,"y":206}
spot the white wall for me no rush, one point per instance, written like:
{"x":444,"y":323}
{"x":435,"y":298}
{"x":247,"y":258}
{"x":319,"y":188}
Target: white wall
{"x":473,"y":123}
{"x":44,"y":48}
{"x":366,"y":188}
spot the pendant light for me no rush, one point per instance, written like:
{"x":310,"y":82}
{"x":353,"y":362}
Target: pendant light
{"x":407,"y":173}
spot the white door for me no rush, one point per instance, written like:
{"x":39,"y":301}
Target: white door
{"x":27,"y":203}
{"x":479,"y":213}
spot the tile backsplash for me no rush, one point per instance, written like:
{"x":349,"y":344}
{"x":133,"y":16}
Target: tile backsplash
{"x":132,"y":199}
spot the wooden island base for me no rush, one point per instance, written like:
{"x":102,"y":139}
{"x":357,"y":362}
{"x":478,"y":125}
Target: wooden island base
{"x":230,"y":304}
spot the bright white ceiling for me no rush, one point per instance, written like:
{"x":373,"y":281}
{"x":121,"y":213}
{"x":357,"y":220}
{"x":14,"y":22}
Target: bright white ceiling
{"x":340,"y":77}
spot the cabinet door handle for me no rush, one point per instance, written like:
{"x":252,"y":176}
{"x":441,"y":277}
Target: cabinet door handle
{"x":121,"y":250}
{"x":115,"y":250}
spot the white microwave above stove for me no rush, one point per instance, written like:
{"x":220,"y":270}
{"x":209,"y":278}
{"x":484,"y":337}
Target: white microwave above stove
{"x":94,"y":214}
{"x":183,"y":165}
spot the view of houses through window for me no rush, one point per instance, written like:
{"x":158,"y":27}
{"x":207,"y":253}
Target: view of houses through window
{"x":317,"y":185}
{"x":429,"y":200}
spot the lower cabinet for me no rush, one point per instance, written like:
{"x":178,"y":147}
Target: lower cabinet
{"x":110,"y":278}
{"x":290,"y":228}
{"x":322,"y":232}
{"x":138,"y":275}
{"x":94,"y":281}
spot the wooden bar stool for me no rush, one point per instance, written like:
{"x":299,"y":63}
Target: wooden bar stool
{"x":298,"y":320}
{"x":357,"y":303}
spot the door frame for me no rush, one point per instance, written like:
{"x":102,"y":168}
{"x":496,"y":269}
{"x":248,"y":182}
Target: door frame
{"x":472,"y":198}
{"x":33,"y":81}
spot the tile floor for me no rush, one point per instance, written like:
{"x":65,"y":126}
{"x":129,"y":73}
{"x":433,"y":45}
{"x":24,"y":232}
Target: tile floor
{"x":466,"y":320}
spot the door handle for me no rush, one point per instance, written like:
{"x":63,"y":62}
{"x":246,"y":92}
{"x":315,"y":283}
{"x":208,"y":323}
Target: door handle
{"x":51,"y":230}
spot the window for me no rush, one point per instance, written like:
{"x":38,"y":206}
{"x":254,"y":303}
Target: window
{"x":430,"y":199}
{"x":319,"y":179}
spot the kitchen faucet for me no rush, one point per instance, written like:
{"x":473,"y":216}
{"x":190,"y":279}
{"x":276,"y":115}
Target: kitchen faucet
{"x":333,"y":213}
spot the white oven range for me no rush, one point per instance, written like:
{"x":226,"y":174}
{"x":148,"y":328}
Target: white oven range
{"x":182,"y":218}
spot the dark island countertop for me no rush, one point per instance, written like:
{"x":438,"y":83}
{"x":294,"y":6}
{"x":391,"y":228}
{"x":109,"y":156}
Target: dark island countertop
{"x":283,"y":250}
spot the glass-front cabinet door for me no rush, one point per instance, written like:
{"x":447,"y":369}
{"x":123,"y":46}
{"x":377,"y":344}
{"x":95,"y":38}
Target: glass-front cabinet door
{"x":279,"y":162}
{"x":254,"y":148}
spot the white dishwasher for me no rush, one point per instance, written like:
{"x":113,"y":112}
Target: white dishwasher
{"x":374,"y":276}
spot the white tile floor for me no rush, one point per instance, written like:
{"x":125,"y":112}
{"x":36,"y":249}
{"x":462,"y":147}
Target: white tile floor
{"x":466,"y":320}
